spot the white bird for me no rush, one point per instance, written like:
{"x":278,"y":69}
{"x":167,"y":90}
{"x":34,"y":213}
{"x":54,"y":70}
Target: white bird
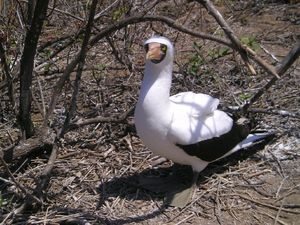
{"x":186,"y":128}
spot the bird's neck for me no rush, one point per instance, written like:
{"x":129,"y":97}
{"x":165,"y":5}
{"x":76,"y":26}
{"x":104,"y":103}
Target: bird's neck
{"x":155,"y":89}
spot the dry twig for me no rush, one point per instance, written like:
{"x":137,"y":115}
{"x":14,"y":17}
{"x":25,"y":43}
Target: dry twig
{"x":289,"y":59}
{"x":81,"y":62}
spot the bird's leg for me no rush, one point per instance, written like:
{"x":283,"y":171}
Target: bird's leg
{"x":183,"y":197}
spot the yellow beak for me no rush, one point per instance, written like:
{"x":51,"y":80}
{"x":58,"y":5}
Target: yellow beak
{"x":154,"y":52}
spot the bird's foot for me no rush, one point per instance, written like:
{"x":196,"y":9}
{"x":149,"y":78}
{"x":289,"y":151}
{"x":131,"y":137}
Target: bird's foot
{"x":183,"y":196}
{"x":180,"y":198}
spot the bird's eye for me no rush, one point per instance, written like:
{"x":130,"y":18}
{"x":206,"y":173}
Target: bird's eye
{"x":146,"y":46}
{"x":163,"y":48}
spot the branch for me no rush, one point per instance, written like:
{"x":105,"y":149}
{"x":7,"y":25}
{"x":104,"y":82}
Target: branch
{"x":16,"y":182}
{"x":228,"y":31}
{"x":62,"y":12}
{"x":289,"y":59}
{"x":42,"y":184}
{"x":100,"y":119}
{"x":235,"y":41}
{"x":9,"y":78}
{"x":41,"y":141}
{"x":43,"y":181}
{"x":58,"y":89}
{"x":59,"y":39}
{"x":172,"y":23}
{"x":139,"y":18}
{"x":82,"y":56}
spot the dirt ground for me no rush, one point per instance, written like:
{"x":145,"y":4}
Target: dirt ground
{"x":96,"y":178}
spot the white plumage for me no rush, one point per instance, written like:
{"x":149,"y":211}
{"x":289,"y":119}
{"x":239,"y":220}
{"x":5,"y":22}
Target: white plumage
{"x":176,"y":127}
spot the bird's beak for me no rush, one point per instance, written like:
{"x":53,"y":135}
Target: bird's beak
{"x":154,"y":52}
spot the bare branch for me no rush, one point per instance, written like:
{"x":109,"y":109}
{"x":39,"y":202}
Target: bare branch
{"x":81,"y":63}
{"x":42,"y":184}
{"x":172,"y":23}
{"x":23,"y":189}
{"x":45,"y":175}
{"x":139,"y":18}
{"x":58,"y":89}
{"x":100,"y":119}
{"x":285,"y":64}
{"x":9,"y":78}
{"x":243,"y":50}
{"x":62,"y":12}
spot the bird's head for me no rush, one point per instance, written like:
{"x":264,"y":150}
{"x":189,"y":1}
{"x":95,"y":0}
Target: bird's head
{"x":159,"y":49}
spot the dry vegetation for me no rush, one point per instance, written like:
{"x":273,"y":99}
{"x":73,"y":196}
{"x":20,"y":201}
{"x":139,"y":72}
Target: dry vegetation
{"x":100,"y":161}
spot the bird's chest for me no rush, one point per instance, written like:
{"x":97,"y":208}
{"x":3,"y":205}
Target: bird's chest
{"x":151,"y":127}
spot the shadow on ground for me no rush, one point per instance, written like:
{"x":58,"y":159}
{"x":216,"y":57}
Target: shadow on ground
{"x":168,"y":179}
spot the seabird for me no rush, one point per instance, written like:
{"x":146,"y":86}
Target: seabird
{"x":186,"y":128}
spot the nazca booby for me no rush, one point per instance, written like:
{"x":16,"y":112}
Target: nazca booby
{"x":186,"y":128}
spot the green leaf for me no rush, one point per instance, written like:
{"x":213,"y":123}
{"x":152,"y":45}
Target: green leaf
{"x":251,"y":42}
{"x":119,"y":12}
{"x":245,"y":96}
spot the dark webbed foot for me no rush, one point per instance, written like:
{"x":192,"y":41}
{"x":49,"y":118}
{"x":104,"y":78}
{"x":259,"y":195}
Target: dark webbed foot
{"x":182,"y":197}
{"x":178,"y":184}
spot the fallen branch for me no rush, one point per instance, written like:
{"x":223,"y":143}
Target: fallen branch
{"x":272,"y":217}
{"x":264,"y":204}
{"x":101,"y":119}
{"x":12,"y":213}
{"x":38,"y":192}
{"x":18,"y":185}
{"x":42,"y":140}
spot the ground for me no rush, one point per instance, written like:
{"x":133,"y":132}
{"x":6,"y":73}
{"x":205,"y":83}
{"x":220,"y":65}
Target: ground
{"x":96,"y":178}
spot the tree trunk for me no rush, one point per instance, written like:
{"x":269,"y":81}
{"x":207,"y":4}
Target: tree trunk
{"x":30,"y":10}
{"x":26,"y":66}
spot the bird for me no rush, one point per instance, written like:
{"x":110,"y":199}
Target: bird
{"x":186,"y":128}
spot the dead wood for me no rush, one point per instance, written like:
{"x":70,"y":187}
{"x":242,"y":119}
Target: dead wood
{"x":289,"y":59}
{"x":8,"y":76}
{"x":23,"y":189}
{"x":235,"y":41}
{"x":81,"y":62}
{"x":100,"y":119}
{"x":42,"y":140}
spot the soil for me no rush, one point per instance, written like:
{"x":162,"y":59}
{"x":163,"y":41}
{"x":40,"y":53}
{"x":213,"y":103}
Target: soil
{"x":96,"y":177}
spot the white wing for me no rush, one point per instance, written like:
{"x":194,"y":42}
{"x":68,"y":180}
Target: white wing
{"x":196,"y":105}
{"x":195,"y":118}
